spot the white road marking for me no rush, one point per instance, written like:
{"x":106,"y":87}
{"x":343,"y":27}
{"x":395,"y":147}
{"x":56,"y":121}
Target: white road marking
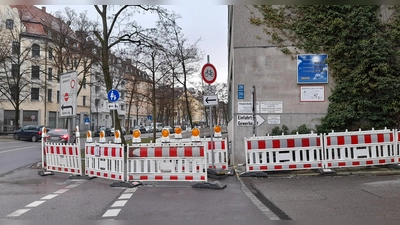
{"x":18,"y":212}
{"x":49,"y":196}
{"x":130,"y":190}
{"x":35,"y":203}
{"x":61,"y":191}
{"x":119,"y":203}
{"x":111,"y":212}
{"x":17,"y":149}
{"x":72,"y":186}
{"x":126,"y":196}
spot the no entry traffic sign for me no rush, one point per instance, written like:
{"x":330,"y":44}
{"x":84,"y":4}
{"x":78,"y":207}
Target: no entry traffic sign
{"x":209,"y":73}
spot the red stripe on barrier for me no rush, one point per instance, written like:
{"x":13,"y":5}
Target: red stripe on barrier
{"x":106,"y":151}
{"x":51,"y":149}
{"x":276,"y":143}
{"x":158,"y":177}
{"x":189,"y":178}
{"x":173,"y":177}
{"x":290,"y":143}
{"x":173,"y":151}
{"x":381,"y":137}
{"x":223,"y":167}
{"x":64,"y":150}
{"x":262,"y":144}
{"x":59,"y":168}
{"x":209,"y":145}
{"x":292,"y":166}
{"x":113,"y":152}
{"x":307,"y":165}
{"x":382,"y":161}
{"x":263,"y":167}
{"x":305,"y":142}
{"x":202,"y":178}
{"x":355,"y":163}
{"x":340,"y":140}
{"x":248,"y":145}
{"x":278,"y":167}
{"x":65,"y":169}
{"x":143,"y":177}
{"x":158,"y":152}
{"x":73,"y":171}
{"x":367,"y":139}
{"x":143,"y":152}
{"x":328,"y":141}
{"x":223,"y":145}
{"x":71,"y":151}
{"x":341,"y":164}
{"x":391,"y":137}
{"x":318,"y":141}
{"x":251,"y":168}
{"x":188,"y":151}
{"x":58,"y":150}
{"x":369,"y":162}
{"x":113,"y":176}
{"x":354,"y":139}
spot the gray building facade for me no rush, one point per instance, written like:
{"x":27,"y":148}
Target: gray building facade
{"x":255,"y":64}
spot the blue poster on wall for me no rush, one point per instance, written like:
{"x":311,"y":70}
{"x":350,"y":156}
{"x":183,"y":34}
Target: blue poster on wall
{"x":312,"y":69}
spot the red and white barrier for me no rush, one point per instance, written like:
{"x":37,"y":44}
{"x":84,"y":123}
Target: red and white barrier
{"x":360,"y":148}
{"x":104,"y":160}
{"x":166,"y":162}
{"x":65,"y":158}
{"x":286,"y":152}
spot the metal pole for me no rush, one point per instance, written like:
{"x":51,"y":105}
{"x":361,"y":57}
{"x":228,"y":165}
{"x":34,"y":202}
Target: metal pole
{"x":211,"y":127}
{"x":254,"y":110}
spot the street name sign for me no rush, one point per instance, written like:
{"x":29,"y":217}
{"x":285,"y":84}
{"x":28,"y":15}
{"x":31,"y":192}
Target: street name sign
{"x":68,"y":90}
{"x":209,"y":100}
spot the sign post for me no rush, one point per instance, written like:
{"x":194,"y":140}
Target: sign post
{"x":68,"y":92}
{"x":209,"y":75}
{"x":113,"y":96}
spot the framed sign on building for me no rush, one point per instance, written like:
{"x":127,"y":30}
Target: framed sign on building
{"x":312,"y":69}
{"x":312,"y":93}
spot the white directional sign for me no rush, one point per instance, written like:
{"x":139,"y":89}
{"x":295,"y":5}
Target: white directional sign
{"x":113,"y":106}
{"x":247,"y":120}
{"x":209,"y":100}
{"x":68,"y":91}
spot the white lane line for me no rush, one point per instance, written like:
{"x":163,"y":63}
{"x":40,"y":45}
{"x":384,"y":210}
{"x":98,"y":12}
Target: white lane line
{"x":18,"y":149}
{"x":130,"y":190}
{"x":72,"y":186}
{"x":35,"y":203}
{"x":125,"y":196}
{"x":119,"y":203}
{"x":61,"y":191}
{"x":47,"y":197}
{"x":18,"y":212}
{"x":111,"y":212}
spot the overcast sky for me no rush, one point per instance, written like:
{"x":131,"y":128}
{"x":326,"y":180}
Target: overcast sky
{"x":208,"y":22}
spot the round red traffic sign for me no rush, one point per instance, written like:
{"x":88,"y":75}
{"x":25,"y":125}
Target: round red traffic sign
{"x":209,"y":73}
{"x":72,"y":83}
{"x":66,"y":96}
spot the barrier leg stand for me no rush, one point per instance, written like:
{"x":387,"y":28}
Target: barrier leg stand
{"x":44,"y":171}
{"x":210,"y":185}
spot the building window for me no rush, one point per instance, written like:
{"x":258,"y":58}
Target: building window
{"x":9,"y":24}
{"x":96,"y":102}
{"x":35,"y":72}
{"x":84,"y":100}
{"x":50,"y":74}
{"x":16,"y":48}
{"x":14,"y":92}
{"x":35,"y":50}
{"x":49,"y":95}
{"x":34,"y":93}
{"x":50,"y":52}
{"x":58,"y":96}
{"x":15,"y":70}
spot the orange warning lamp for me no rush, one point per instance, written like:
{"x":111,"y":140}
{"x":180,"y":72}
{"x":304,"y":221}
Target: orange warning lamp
{"x":136,"y":136}
{"x":102,"y":134}
{"x":165,"y":135}
{"x":178,"y":130}
{"x":102,"y":138}
{"x":195,"y":134}
{"x":217,"y":131}
{"x":117,"y":134}
{"x":89,"y":136}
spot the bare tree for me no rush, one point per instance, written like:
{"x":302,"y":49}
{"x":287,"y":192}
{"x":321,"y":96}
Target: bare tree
{"x":117,"y":27}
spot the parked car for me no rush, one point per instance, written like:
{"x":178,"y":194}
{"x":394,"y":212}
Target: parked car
{"x":123,"y":131}
{"x":171,"y":130}
{"x":107,"y":131}
{"x":149,"y":129}
{"x":141,"y":128}
{"x":59,"y":135}
{"x":29,"y":132}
